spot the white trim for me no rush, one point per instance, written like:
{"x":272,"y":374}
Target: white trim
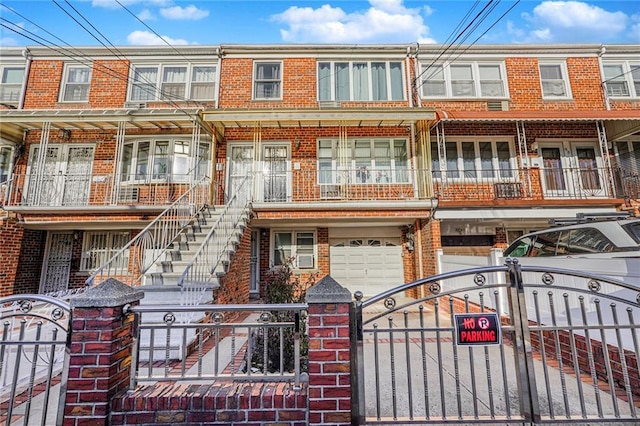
{"x":294,"y":246}
{"x":64,"y":83}
{"x":528,"y":213}
{"x":280,"y":79}
{"x":475,"y":78}
{"x":565,"y":78}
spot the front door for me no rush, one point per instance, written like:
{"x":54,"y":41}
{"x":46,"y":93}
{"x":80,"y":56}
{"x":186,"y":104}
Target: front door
{"x":572,"y":170}
{"x":65,"y":177}
{"x":275,"y":169}
{"x":240,"y":166}
{"x":55,"y":276}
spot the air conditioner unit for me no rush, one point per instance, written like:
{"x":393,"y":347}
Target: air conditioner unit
{"x":329,"y":191}
{"x":498,"y":106}
{"x":508,"y":190}
{"x":135,"y":105}
{"x":305,"y":261}
{"x":128,"y":194}
{"x":330,"y":104}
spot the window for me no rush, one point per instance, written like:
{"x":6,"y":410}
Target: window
{"x":622,"y":79}
{"x":162,"y":159}
{"x":554,"y":81}
{"x":463,"y":80}
{"x":99,"y":247}
{"x":6,"y":162}
{"x":176,"y":82}
{"x":267,"y":80}
{"x":363,"y":161}
{"x":11,"y":84}
{"x":299,"y":246}
{"x":360,"y":81}
{"x":477,"y":159}
{"x":628,"y":155}
{"x":76,"y":84}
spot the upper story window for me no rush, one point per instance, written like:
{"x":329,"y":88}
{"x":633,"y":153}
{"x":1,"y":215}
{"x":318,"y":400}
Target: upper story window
{"x":555,"y":83}
{"x":162,"y":159}
{"x":267,"y":80}
{"x":176,"y":82}
{"x":360,"y":81}
{"x":622,"y":79}
{"x":11,"y":83}
{"x":475,"y":159}
{"x":6,"y":162}
{"x":76,"y":84}
{"x":463,"y":80}
{"x":363,"y":161}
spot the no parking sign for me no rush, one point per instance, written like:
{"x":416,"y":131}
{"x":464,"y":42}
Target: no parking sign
{"x":477,"y":329}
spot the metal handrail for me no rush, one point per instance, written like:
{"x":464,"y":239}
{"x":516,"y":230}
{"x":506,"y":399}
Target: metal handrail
{"x":199,"y":274}
{"x":131,"y":262}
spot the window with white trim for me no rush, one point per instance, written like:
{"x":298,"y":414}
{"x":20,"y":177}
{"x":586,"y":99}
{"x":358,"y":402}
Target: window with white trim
{"x":76,"y":82}
{"x":463,"y":80}
{"x":622,"y":79}
{"x":363,"y":161}
{"x":555,"y":84}
{"x":99,"y":247}
{"x":174,"y":82}
{"x":360,"y":81}
{"x":6,"y":162}
{"x":161,"y":159}
{"x":480,"y":158}
{"x":11,"y":80}
{"x":299,"y":247}
{"x":267,"y":80}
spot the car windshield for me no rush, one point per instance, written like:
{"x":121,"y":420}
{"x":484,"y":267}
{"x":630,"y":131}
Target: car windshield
{"x":633,"y":229}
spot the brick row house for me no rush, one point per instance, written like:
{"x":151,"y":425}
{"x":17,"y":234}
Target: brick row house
{"x":362,"y":160}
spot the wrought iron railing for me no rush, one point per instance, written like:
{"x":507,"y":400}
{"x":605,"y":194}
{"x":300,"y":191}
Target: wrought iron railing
{"x":131,"y":262}
{"x":230,"y":344}
{"x":86,"y":189}
{"x":628,"y":183}
{"x":211,"y":257}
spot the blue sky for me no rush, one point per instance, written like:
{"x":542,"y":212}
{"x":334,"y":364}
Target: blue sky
{"x":199,"y":22}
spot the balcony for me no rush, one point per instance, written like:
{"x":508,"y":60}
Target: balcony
{"x":80,"y":191}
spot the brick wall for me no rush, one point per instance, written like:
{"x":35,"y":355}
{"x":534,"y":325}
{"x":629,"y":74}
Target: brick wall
{"x":234,"y":285}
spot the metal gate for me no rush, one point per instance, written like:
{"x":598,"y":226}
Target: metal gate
{"x":567,"y":352}
{"x":34,"y":359}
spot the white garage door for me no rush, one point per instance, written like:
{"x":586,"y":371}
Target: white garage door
{"x":370,"y":265}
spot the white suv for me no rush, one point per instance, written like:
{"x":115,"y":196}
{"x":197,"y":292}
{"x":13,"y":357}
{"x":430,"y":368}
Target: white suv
{"x":588,"y":238}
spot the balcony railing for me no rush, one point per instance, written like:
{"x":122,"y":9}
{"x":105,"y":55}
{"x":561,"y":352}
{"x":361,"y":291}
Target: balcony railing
{"x":628,"y":183}
{"x":138,"y":255}
{"x":85,"y":190}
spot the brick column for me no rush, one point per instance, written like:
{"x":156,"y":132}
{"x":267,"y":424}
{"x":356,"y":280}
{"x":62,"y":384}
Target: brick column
{"x":101,"y":345}
{"x":329,"y":353}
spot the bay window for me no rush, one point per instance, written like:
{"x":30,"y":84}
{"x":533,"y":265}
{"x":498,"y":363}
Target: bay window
{"x":175,"y":82}
{"x":363,"y":161}
{"x":477,"y":158}
{"x":463,"y":80}
{"x":161,"y":159}
{"x":360,"y":81}
{"x":295,"y":246}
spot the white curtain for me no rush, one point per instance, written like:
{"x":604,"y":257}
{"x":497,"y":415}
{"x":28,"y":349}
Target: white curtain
{"x":379,"y":81}
{"x":360,"y":82}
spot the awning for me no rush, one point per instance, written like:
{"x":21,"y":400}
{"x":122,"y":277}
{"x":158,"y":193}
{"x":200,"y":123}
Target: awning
{"x":13,"y":123}
{"x":618,"y":123}
{"x":317,"y":117}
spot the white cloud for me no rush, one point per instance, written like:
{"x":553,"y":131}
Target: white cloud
{"x":385,"y":21}
{"x":190,"y":12}
{"x":8,"y":41}
{"x":568,"y":21}
{"x":146,"y":38}
{"x":145,"y":15}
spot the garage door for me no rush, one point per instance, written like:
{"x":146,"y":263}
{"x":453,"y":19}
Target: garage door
{"x":370,"y":265}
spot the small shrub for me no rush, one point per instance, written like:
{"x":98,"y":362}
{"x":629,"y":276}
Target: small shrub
{"x":282,"y":287}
